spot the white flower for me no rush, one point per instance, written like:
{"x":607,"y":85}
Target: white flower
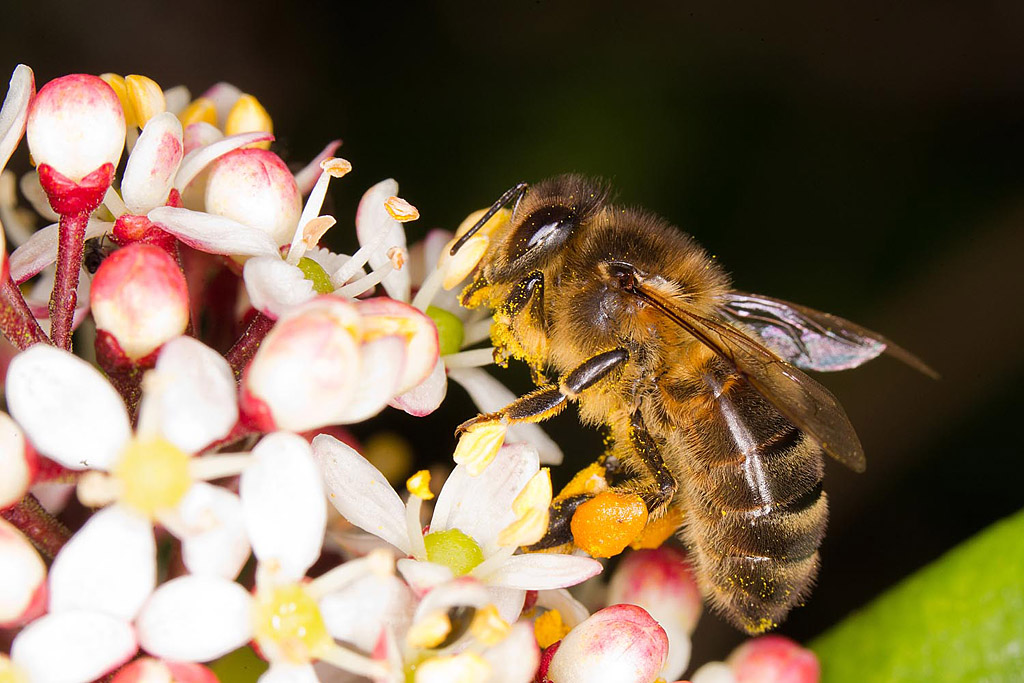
{"x":71,"y":414}
{"x":469,"y":518}
{"x":199,"y":618}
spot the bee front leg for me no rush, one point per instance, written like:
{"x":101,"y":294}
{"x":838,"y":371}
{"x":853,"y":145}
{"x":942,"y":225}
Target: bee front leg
{"x":550,"y":400}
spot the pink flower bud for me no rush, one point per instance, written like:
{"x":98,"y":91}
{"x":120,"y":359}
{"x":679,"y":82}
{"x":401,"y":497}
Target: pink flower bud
{"x":774,"y":659}
{"x":254,"y":187}
{"x":619,"y":644}
{"x":383,"y":316}
{"x":139,"y":296}
{"x":23,"y":592}
{"x":76,"y":125}
{"x":662,"y":582}
{"x":149,"y":670}
{"x":18,"y":462}
{"x":306,"y":371}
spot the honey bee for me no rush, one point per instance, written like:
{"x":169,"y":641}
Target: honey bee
{"x":701,"y":387}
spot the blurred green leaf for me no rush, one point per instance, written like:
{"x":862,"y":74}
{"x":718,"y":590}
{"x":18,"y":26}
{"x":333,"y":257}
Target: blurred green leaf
{"x":240,"y":666}
{"x":959,"y":619}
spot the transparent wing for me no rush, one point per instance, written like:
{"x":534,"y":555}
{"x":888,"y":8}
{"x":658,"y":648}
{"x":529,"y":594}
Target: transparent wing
{"x":807,"y":404}
{"x":810,"y":339}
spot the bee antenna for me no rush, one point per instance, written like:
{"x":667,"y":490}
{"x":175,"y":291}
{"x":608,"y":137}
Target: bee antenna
{"x":514,"y":193}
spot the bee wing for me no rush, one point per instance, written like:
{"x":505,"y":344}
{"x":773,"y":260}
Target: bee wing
{"x":807,"y":404}
{"x":810,"y":339}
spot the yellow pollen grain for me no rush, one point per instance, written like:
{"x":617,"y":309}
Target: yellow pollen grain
{"x":419,"y":485}
{"x":549,"y":628}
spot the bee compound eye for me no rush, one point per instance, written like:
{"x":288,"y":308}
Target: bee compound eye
{"x":543,"y":230}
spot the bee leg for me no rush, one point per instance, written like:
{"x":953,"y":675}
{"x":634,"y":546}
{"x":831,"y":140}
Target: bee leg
{"x":654,"y":484}
{"x":527,"y":292}
{"x":550,"y":400}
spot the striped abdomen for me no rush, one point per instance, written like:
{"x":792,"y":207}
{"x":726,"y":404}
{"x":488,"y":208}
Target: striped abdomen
{"x":751,"y":484}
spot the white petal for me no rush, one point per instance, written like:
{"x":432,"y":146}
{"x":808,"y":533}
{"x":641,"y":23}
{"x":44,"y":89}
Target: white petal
{"x":14,"y":113}
{"x":198,"y":402}
{"x":16,"y":463}
{"x":382,"y":367}
{"x":152,"y":164}
{"x":283,"y":500}
{"x":425,"y":397}
{"x":516,"y":658}
{"x":198,"y":159}
{"x":213,"y":234}
{"x":275,"y":286}
{"x":73,"y":646}
{"x":421,"y":576}
{"x":714,"y":672}
{"x":539,"y":571}
{"x":67,"y":408}
{"x":572,"y":610}
{"x":108,"y":566}
{"x":679,"y":648}
{"x":36,"y":196}
{"x":461,"y":592}
{"x":23,"y":574}
{"x":331,"y":262}
{"x":360,"y":492}
{"x":211,"y":526}
{"x":374,"y":226}
{"x":289,"y":673}
{"x":195,"y":619}
{"x":490,"y":395}
{"x":358,"y":612}
{"x":40,"y":250}
{"x":481,"y":506}
{"x":508,"y":601}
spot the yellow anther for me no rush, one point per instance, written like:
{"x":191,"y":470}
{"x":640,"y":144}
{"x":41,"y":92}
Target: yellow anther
{"x":198,"y":110}
{"x":429,"y":631}
{"x":401,"y":210}
{"x":287,"y":624}
{"x":397,"y":256}
{"x":464,"y":261}
{"x":116,"y":82}
{"x":488,"y":627}
{"x":315,"y":228}
{"x":496,"y":221}
{"x":248,"y":116}
{"x":146,"y":97}
{"x":336,"y":167}
{"x":479,"y":444}
{"x":531,"y":509}
{"x":419,"y":485}
{"x":549,"y":628}
{"x":467,"y":667}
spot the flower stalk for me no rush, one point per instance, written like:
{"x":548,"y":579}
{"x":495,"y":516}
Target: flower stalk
{"x":46,"y":533}
{"x":17,"y":323}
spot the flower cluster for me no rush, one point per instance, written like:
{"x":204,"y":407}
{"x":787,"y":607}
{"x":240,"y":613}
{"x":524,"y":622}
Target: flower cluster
{"x":223,"y":522}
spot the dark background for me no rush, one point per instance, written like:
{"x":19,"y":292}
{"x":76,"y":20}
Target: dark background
{"x":864,"y":160}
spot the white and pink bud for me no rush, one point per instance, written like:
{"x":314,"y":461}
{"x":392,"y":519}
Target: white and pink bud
{"x":774,"y":659}
{"x":150,"y":670}
{"x":255,"y":188}
{"x":139,"y":296}
{"x":385,"y":317}
{"x":76,"y":125}
{"x":306,"y":371}
{"x":23,"y":593}
{"x":619,"y":644}
{"x":18,"y":462}
{"x":662,"y":582}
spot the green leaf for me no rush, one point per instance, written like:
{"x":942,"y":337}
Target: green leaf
{"x":959,"y":619}
{"x":240,"y":666}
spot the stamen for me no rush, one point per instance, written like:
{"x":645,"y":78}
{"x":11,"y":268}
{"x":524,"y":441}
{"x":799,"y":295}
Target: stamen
{"x":379,"y":562}
{"x":332,"y":168}
{"x":478,"y":331}
{"x":308,"y":236}
{"x":146,"y":97}
{"x":428,"y":290}
{"x":419,"y":485}
{"x":363,"y":284}
{"x":96,"y":489}
{"x":351,"y":661}
{"x":415,"y":527}
{"x":117,"y":84}
{"x":210,"y":467}
{"x":429,"y":631}
{"x":492,"y":563}
{"x":488,"y":627}
{"x":479,"y":444}
{"x":401,"y":210}
{"x":199,"y":110}
{"x":469,"y":359}
{"x":247,"y":115}
{"x":115,"y":205}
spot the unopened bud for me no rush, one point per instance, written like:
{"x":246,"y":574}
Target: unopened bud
{"x":254,"y":187}
{"x":619,"y":644}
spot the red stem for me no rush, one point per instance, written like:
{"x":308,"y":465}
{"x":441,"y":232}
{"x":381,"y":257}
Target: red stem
{"x":16,"y":320}
{"x":46,"y":533}
{"x":65,"y":286}
{"x":245,"y":348}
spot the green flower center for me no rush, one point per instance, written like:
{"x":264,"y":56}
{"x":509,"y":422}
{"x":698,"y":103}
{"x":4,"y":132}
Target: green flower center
{"x":449,"y":329}
{"x":454,"y":549}
{"x":316,"y":274}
